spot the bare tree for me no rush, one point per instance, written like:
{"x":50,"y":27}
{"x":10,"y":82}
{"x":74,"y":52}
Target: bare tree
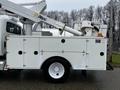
{"x":90,"y":13}
{"x":73,"y":15}
{"x":98,"y":13}
{"x":111,"y":27}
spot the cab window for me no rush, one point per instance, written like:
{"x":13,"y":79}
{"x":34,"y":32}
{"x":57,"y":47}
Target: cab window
{"x":13,"y":28}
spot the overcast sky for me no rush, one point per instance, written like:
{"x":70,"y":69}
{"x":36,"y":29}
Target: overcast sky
{"x":67,"y":5}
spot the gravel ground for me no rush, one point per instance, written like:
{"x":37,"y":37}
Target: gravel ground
{"x":33,"y":80}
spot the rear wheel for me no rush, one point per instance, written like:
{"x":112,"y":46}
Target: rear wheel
{"x":56,"y":70}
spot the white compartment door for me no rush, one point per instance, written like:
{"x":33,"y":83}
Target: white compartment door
{"x":15,"y":53}
{"x":73,"y":49}
{"x":97,"y":53}
{"x":32,"y":55}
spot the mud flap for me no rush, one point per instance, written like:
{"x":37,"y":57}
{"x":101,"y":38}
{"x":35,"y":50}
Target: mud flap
{"x":109,"y":66}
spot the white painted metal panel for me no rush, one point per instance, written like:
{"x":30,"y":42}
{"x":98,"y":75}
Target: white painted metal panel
{"x":70,"y":45}
{"x":94,"y":60}
{"x":77,"y":60}
{"x":31,"y":46}
{"x":82,"y":53}
{"x":73,"y":50}
{"x":14,"y":60}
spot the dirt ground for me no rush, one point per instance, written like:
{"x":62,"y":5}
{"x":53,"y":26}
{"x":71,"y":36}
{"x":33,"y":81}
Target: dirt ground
{"x":33,"y":80}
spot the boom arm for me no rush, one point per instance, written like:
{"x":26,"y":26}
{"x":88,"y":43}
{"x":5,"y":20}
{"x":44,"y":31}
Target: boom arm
{"x":34,"y":15}
{"x":22,"y":11}
{"x":59,"y":25}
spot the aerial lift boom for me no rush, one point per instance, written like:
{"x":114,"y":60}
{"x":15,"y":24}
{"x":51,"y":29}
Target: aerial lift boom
{"x":34,"y":15}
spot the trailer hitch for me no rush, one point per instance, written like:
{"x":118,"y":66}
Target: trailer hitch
{"x":109,"y":66}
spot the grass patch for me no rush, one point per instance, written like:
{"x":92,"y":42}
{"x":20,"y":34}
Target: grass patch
{"x":116,"y":58}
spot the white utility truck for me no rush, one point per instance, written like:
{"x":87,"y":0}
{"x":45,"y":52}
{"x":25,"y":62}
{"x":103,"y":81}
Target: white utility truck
{"x":56,"y":56}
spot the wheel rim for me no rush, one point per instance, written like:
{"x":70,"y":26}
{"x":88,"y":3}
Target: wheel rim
{"x":56,"y":70}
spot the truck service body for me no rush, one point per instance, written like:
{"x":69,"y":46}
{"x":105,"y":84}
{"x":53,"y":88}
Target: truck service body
{"x":56,"y":56}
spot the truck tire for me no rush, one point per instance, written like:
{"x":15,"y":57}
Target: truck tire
{"x":56,"y":70}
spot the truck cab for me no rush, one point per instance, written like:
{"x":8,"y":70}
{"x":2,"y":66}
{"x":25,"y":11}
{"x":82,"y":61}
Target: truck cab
{"x":8,"y":26}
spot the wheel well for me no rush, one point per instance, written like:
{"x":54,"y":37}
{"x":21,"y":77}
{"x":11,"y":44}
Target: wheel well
{"x":56,"y":57}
